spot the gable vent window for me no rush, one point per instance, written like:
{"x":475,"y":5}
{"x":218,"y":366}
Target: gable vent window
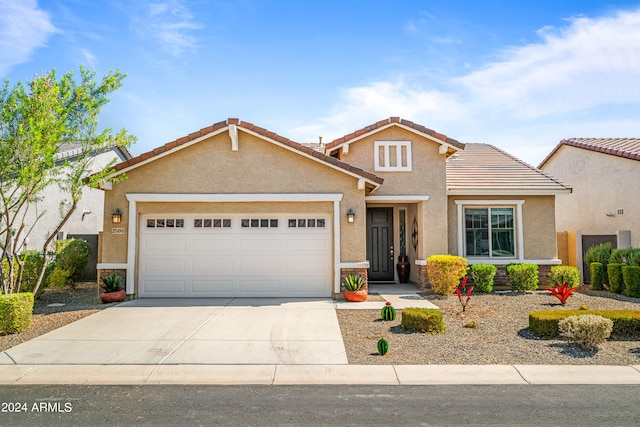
{"x":306,"y":223}
{"x":165,"y":223}
{"x":259,"y":223}
{"x":392,"y":156}
{"x":212,"y":223}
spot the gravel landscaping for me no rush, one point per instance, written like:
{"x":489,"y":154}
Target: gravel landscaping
{"x":500,"y":335}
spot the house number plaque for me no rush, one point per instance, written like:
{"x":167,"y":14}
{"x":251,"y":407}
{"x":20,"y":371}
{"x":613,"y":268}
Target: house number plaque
{"x":117,"y":231}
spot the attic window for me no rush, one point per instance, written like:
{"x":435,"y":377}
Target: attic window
{"x":392,"y":156}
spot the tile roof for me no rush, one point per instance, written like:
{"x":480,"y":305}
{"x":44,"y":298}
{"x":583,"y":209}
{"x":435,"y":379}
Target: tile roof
{"x":485,"y":169}
{"x":255,"y":129}
{"x":391,"y":120}
{"x":621,"y":147}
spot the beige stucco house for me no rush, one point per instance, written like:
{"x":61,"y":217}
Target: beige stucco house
{"x":605,"y":203}
{"x":237,"y":210}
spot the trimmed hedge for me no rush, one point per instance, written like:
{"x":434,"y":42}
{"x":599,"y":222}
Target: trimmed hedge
{"x":16,"y":311}
{"x":616,"y":283}
{"x":482,"y":277}
{"x":445,"y":272}
{"x":597,"y":275}
{"x":626,"y":323}
{"x":631,"y":277}
{"x":523,"y":277}
{"x":561,"y":274}
{"x":422,"y":320}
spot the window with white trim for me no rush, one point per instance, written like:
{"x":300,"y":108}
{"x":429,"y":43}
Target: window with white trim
{"x":392,"y":156}
{"x":489,"y":232}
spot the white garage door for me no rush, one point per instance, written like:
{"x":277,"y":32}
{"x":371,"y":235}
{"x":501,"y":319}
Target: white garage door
{"x":235,"y":255}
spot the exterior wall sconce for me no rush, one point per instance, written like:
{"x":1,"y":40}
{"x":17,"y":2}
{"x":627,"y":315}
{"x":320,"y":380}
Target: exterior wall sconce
{"x":116,"y":217}
{"x":351,"y":215}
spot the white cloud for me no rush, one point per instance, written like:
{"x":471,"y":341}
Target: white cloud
{"x":170,"y":23}
{"x":23,"y":28}
{"x":580,"y":80}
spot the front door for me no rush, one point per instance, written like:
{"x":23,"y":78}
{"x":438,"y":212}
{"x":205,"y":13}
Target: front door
{"x":380,"y":244}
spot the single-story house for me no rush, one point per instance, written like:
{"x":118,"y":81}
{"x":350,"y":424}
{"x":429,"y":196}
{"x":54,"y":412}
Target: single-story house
{"x":237,"y":210}
{"x":605,"y":203}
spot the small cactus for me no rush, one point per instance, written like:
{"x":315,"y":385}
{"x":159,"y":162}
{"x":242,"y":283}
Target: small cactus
{"x":388,"y":312}
{"x":383,"y":346}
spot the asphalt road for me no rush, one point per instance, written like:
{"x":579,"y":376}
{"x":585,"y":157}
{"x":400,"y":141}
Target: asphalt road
{"x":320,"y":405}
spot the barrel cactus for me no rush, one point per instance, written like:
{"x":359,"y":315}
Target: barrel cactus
{"x":388,"y":312}
{"x":383,"y":346}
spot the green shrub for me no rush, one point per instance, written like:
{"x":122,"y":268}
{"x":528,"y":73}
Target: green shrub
{"x":586,"y":331}
{"x":627,"y":256}
{"x":597,"y":275}
{"x":60,"y":278}
{"x":31,"y":270}
{"x":482,"y":276}
{"x":16,"y":311}
{"x":422,"y":320}
{"x":626,"y":323}
{"x":72,"y":257}
{"x":523,"y":277}
{"x":600,"y":253}
{"x":560,"y":274}
{"x":445,"y":272}
{"x":631,"y":278}
{"x":616,"y":283}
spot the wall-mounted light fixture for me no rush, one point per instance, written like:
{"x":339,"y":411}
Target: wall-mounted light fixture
{"x":351,"y":215}
{"x":116,"y":217}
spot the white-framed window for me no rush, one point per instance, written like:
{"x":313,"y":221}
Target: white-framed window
{"x":490,"y":229}
{"x":392,"y":156}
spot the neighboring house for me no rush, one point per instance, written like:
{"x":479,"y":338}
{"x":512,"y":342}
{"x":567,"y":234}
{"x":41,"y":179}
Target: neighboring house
{"x":605,"y":203}
{"x":237,"y":210}
{"x":86,"y":222}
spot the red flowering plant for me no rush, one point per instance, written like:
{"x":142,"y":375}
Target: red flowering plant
{"x":461,"y":290}
{"x":562,"y":292}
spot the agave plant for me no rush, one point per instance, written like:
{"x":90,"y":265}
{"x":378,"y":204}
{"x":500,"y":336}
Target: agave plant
{"x":111,"y":283}
{"x":353,"y":282}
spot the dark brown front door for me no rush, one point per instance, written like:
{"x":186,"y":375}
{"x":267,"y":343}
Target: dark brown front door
{"x":380,"y":244}
{"x":588,"y":241}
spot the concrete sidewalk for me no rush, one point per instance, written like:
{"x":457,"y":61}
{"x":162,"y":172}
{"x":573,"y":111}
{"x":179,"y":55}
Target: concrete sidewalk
{"x":318,"y":374}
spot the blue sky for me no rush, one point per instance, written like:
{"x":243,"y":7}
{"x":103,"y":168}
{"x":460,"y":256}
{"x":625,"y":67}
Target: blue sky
{"x":520,"y":75}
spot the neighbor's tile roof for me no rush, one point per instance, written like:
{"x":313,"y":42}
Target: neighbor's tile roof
{"x":621,"y":147}
{"x":383,"y":123}
{"x":485,"y":169}
{"x":250,"y":127}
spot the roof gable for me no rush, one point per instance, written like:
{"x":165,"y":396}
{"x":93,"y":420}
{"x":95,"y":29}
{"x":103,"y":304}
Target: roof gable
{"x":234,"y":124}
{"x":485,"y":169}
{"x":451,"y":144}
{"x":628,"y":148}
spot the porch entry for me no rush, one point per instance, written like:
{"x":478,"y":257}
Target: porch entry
{"x":380,"y":244}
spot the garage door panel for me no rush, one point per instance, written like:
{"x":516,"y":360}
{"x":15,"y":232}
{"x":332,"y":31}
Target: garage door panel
{"x":165,"y":244}
{"x":308,"y":245}
{"x":221,"y":265}
{"x":208,"y":286}
{"x":178,"y":265}
{"x":264,"y":259}
{"x":164,"y":286}
{"x":254,"y":245}
{"x":258,"y":286}
{"x":213,"y":243}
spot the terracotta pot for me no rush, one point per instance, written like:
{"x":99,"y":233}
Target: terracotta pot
{"x":355,"y":296}
{"x":107,"y":297}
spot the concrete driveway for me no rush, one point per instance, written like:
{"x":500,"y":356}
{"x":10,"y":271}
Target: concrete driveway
{"x":194,"y":331}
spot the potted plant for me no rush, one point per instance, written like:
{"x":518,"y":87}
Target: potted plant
{"x":112,"y":289}
{"x":354,"y":288}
